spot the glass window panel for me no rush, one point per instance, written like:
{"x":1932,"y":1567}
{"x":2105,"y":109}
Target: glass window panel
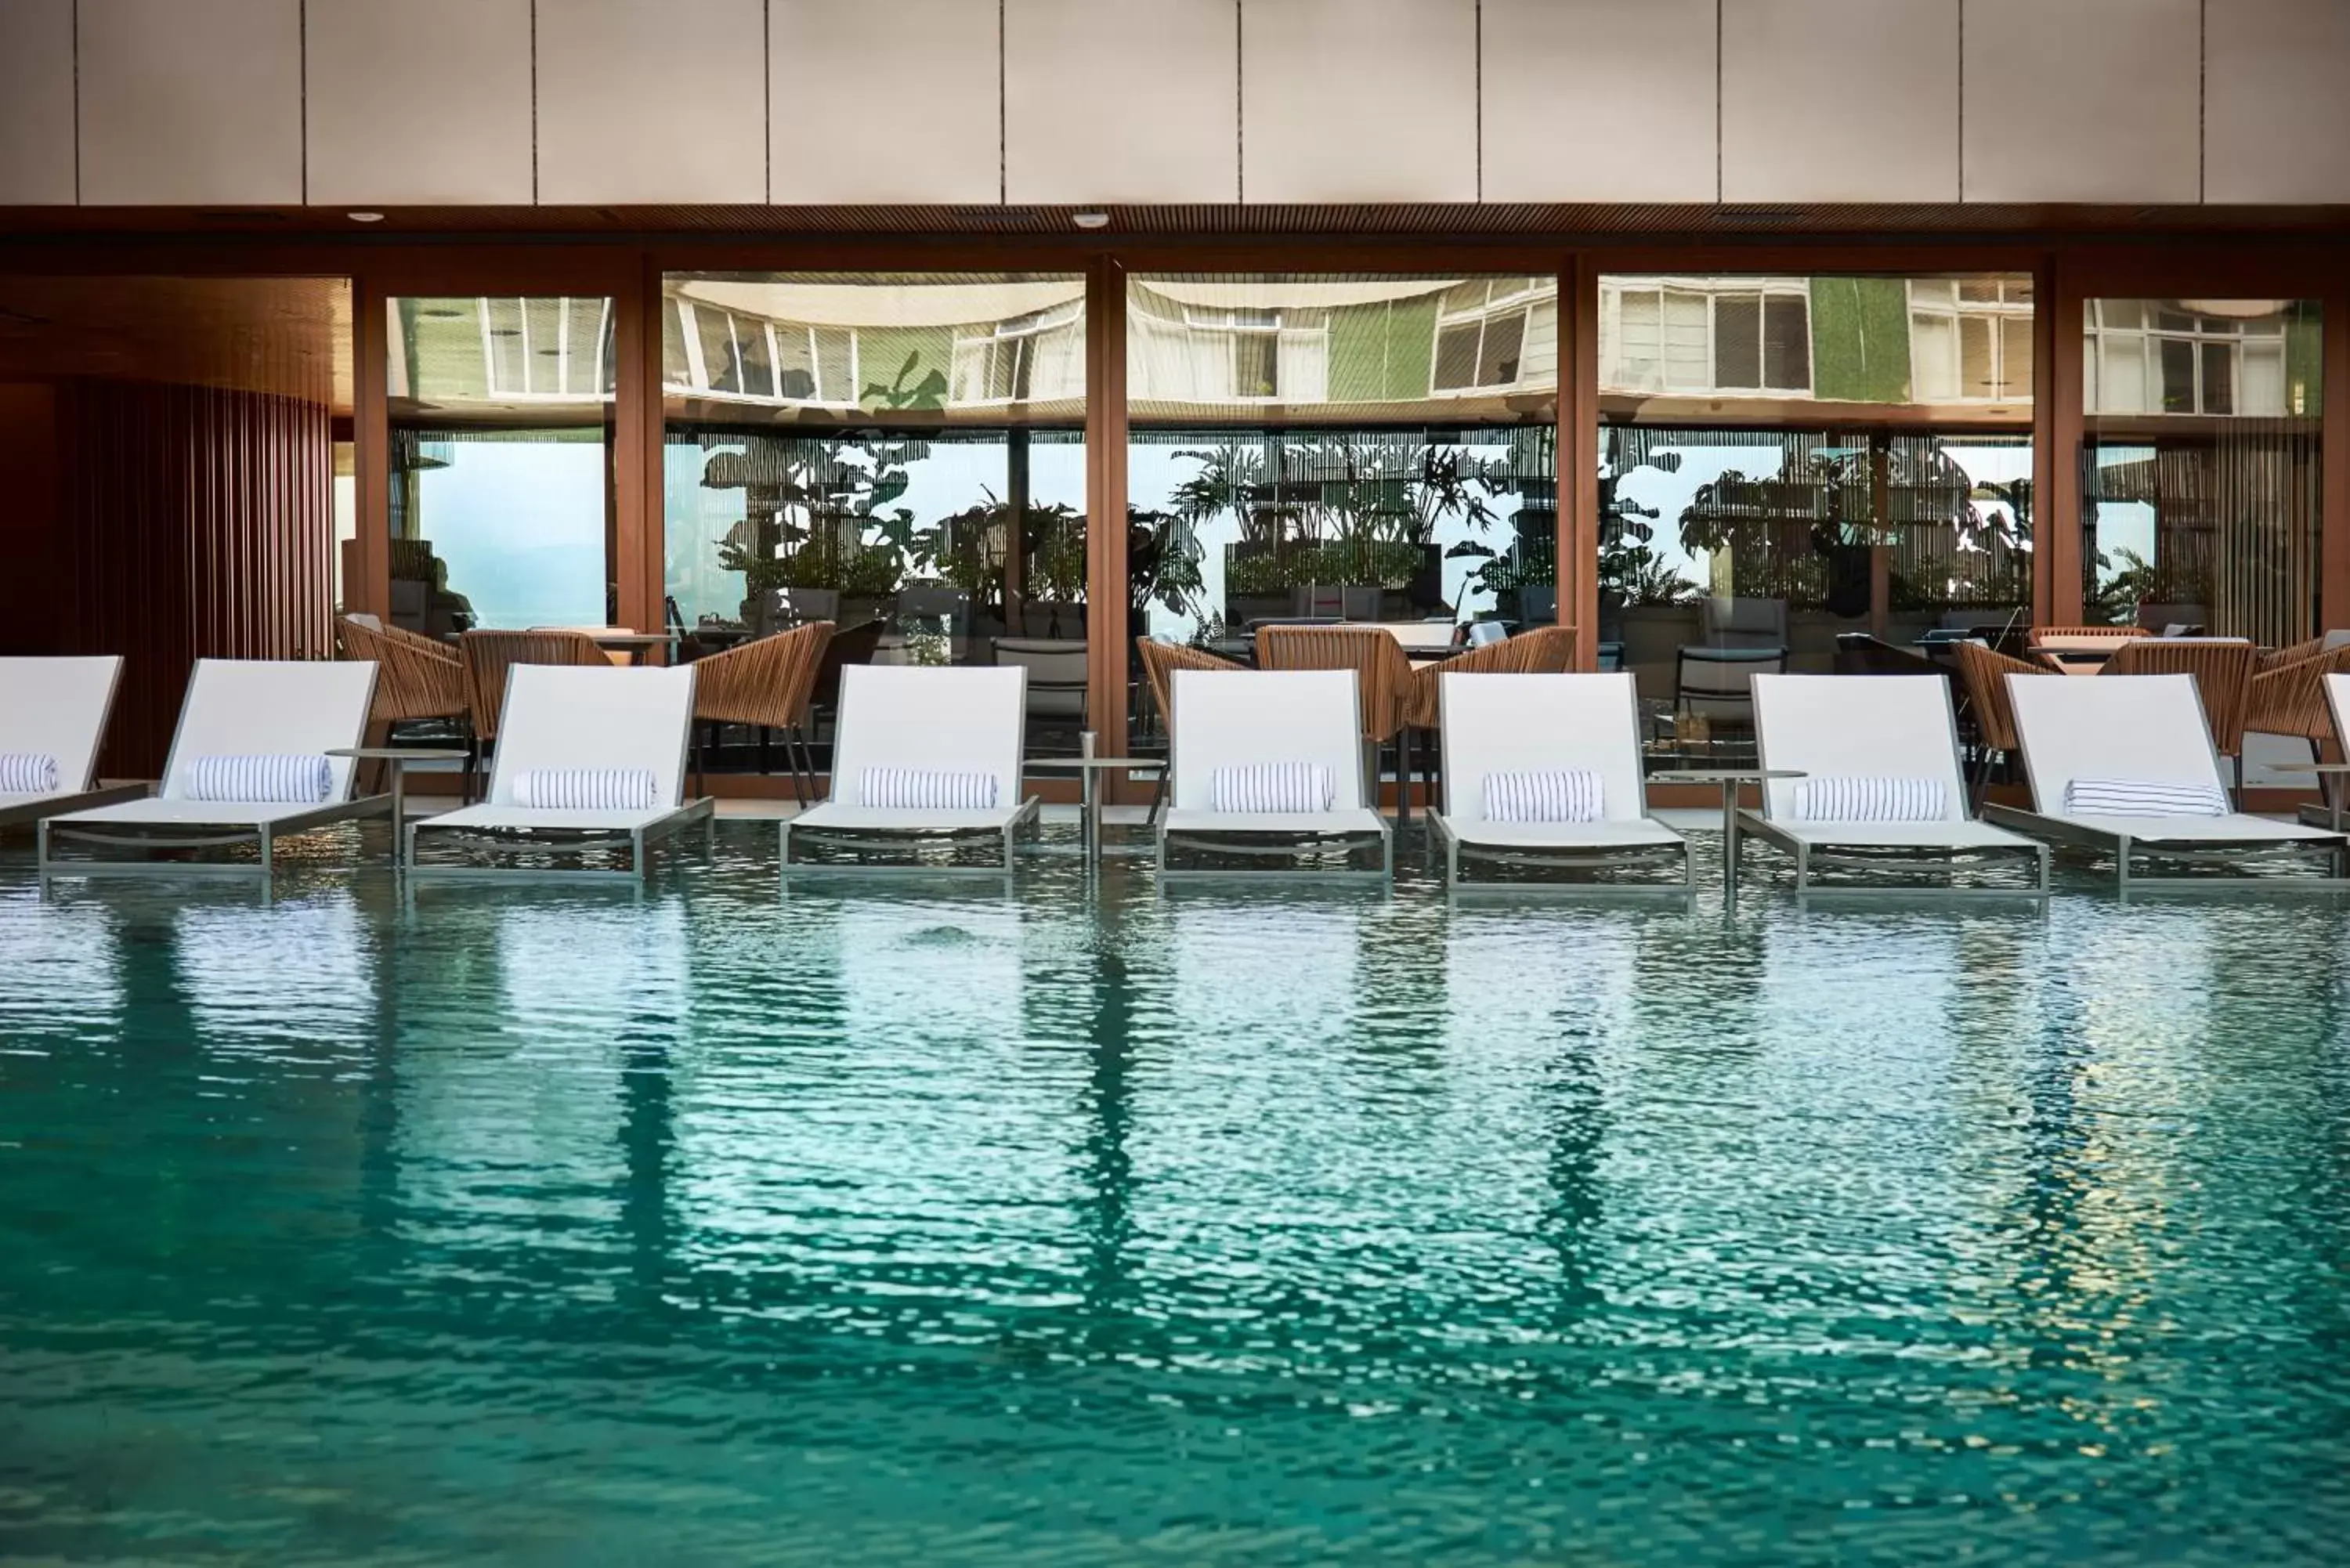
{"x":499,"y":462}
{"x":1688,"y":341}
{"x":1639,"y":346}
{"x":718,"y":368}
{"x":836,"y":383}
{"x":1787,"y":356}
{"x":1976,"y":378}
{"x":1497,"y":361}
{"x":2177,"y":359}
{"x":794,"y":362}
{"x":1738,"y":340}
{"x":1456,"y":357}
{"x":2219,"y":379}
{"x":2015,"y":358}
{"x":505,"y":329}
{"x":1934,"y":358}
{"x":1406,"y":473}
{"x":2200,"y":503}
{"x":1808,"y":520}
{"x":916,"y":475}
{"x":677,"y":369}
{"x":758,"y":364}
{"x":543,"y":336}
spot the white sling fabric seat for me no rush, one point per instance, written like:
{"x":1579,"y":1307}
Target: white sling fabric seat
{"x":2148,"y":728}
{"x":1253,"y":717}
{"x":1497,"y":723}
{"x":962,"y":720}
{"x":239,"y":708}
{"x":1870,"y":727}
{"x":57,"y":709}
{"x":577,"y":719}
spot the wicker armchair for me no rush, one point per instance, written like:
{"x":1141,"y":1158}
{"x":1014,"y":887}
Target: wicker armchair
{"x":416,"y":678}
{"x":2222,"y":672}
{"x":1984,"y":673}
{"x":767,"y":684}
{"x":1545,"y":650}
{"x":1383,"y":684}
{"x":1159,"y":661}
{"x":1374,"y":656}
{"x":488,"y":654}
{"x":2289,"y":699}
{"x":2041,"y":634}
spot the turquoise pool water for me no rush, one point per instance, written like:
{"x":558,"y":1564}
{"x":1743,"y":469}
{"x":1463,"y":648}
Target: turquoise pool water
{"x":927,"y":1226}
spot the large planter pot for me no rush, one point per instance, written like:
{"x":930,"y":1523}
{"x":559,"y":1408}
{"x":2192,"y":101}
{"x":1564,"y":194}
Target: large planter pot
{"x":1654,"y":636}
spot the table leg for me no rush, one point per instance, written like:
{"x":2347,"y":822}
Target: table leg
{"x":1729,"y":844}
{"x":399,"y":811}
{"x":1089,"y":807}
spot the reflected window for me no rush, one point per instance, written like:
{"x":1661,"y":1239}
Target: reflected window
{"x":1700,"y":335}
{"x":500,"y":412}
{"x":1807,"y":475}
{"x":901,"y":454}
{"x":2200,"y":465}
{"x":1368,"y":448}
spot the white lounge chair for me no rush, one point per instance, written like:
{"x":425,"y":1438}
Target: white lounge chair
{"x":56,"y":709}
{"x":236,"y":708}
{"x":907,"y":732}
{"x":2333,"y":778}
{"x":2144,"y":729}
{"x":1884,"y":728}
{"x":1230,"y":719}
{"x":1496,"y":725}
{"x":568,"y":733}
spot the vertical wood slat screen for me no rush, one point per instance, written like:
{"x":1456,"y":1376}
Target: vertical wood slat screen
{"x":194,"y":523}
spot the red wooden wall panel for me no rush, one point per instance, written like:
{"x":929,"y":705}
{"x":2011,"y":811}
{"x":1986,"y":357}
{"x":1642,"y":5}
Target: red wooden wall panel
{"x":192,"y":521}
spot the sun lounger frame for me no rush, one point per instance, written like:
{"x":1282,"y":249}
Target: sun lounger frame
{"x":195,"y":833}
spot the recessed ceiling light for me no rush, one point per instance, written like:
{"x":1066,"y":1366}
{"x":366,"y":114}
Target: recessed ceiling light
{"x":1090,"y":220}
{"x":367,"y":217}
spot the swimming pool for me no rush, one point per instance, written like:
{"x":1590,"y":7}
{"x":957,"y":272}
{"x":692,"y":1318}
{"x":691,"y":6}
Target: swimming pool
{"x":925,"y":1225}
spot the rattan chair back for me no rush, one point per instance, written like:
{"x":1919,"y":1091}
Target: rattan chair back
{"x":1984,"y":672}
{"x":1382,"y":672}
{"x":416,"y":678}
{"x":1161,"y":660}
{"x":2289,"y":699}
{"x":488,"y":654}
{"x":2223,"y":678}
{"x":767,"y":682}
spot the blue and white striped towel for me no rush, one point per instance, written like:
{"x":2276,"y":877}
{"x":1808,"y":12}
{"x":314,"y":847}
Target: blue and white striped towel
{"x":1263,"y":787}
{"x":588,"y":789}
{"x":1550,"y":795}
{"x":925,"y":789}
{"x":2143,"y":797}
{"x":1871,"y":800}
{"x":261,"y":780}
{"x":27,"y":772}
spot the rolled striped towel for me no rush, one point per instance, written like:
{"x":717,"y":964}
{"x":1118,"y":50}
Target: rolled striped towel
{"x":1550,"y":795}
{"x":588,"y":789}
{"x":2143,"y":797}
{"x":1262,"y":787}
{"x":261,"y":780}
{"x":1871,"y":800}
{"x":925,"y":789}
{"x":27,"y":772}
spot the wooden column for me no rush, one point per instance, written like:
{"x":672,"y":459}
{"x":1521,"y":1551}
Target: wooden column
{"x":2056,"y":425}
{"x":1107,"y":655}
{"x":637,"y":536}
{"x":2333,"y":484}
{"x":1880,"y":522}
{"x":369,"y":588}
{"x":1578,"y":455}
